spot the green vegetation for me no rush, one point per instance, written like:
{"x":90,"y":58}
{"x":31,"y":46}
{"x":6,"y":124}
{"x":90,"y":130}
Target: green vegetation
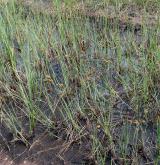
{"x":99,"y":76}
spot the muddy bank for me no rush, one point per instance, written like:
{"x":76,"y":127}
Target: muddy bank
{"x":45,"y":147}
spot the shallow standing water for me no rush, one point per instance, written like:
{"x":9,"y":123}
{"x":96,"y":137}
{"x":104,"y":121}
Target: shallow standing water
{"x":46,"y":149}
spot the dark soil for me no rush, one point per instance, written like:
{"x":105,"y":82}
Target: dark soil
{"x":44,"y":149}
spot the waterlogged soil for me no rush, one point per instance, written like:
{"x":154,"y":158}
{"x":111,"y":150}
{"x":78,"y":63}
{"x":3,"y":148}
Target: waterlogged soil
{"x":56,"y":146}
{"x":44,"y":149}
{"x":59,"y":145}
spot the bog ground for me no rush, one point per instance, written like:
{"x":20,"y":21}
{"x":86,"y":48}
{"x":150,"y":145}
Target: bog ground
{"x":79,"y":82}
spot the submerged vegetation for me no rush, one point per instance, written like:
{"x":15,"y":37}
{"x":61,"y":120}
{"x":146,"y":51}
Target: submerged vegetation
{"x":83,"y":72}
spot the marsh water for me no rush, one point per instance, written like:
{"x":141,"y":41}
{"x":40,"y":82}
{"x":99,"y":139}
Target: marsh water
{"x":46,"y":148}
